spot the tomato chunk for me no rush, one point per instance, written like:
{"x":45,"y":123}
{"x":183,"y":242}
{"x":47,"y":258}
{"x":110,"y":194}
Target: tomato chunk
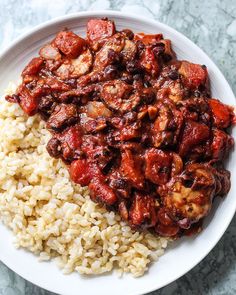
{"x":143,"y":211}
{"x":221,"y":144}
{"x":149,"y":62}
{"x":194,"y":134}
{"x":102,"y":192}
{"x":193,"y":75}
{"x":131,"y":169}
{"x":69,"y":43}
{"x":222,"y":114}
{"x":148,"y":39}
{"x":33,"y":66}
{"x":27,"y":101}
{"x":99,"y":29}
{"x":79,"y":172}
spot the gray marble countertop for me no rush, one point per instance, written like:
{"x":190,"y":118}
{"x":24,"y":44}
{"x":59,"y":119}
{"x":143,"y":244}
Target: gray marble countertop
{"x":211,"y":25}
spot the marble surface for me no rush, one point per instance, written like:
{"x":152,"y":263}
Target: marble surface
{"x":211,"y":25}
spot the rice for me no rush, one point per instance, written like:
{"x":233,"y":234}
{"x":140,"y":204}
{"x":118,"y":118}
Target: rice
{"x":54,"y":218}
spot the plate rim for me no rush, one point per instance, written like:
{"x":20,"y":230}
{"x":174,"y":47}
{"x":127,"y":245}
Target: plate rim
{"x":114,"y":13}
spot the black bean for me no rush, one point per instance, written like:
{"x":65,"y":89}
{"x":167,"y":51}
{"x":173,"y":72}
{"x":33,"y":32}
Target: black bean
{"x":197,"y":93}
{"x":54,"y":147}
{"x":148,"y":95}
{"x":46,"y":104}
{"x":173,"y":75}
{"x":113,"y":57}
{"x":128,"y":33}
{"x":127,"y":78}
{"x":110,"y":72}
{"x":133,"y":67}
{"x":140,"y":46}
{"x":159,"y":49}
{"x":137,"y":77}
{"x":167,"y":57}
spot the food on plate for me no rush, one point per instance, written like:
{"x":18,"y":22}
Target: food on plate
{"x":131,"y":122}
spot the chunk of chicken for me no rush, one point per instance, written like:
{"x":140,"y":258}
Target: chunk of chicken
{"x":115,"y":43}
{"x":167,"y":126}
{"x":117,"y":95}
{"x":97,"y":109}
{"x":63,"y":116}
{"x":82,"y":64}
{"x":50,"y":52}
{"x":129,"y":51}
{"x":189,"y":196}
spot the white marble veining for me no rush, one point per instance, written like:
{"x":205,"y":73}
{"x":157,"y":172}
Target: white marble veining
{"x":211,"y":25}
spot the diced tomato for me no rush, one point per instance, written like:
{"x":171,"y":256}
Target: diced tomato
{"x":143,"y":211}
{"x":102,"y":192}
{"x":80,"y":172}
{"x":71,"y":140}
{"x":33,"y":66}
{"x":222,"y":114}
{"x":149,"y":62}
{"x":28,"y":102}
{"x":194,"y":134}
{"x":221,"y":144}
{"x":131,"y":169}
{"x":69,"y":43}
{"x":99,"y":29}
{"x":193,"y":75}
{"x":131,"y":131}
{"x":148,"y":39}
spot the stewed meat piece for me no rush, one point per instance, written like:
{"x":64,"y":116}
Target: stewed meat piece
{"x":118,"y":96}
{"x":133,"y":123}
{"x":189,"y":196}
{"x":63,"y":116}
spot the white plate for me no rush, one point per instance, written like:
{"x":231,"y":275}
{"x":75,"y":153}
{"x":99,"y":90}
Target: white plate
{"x":185,"y":253}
